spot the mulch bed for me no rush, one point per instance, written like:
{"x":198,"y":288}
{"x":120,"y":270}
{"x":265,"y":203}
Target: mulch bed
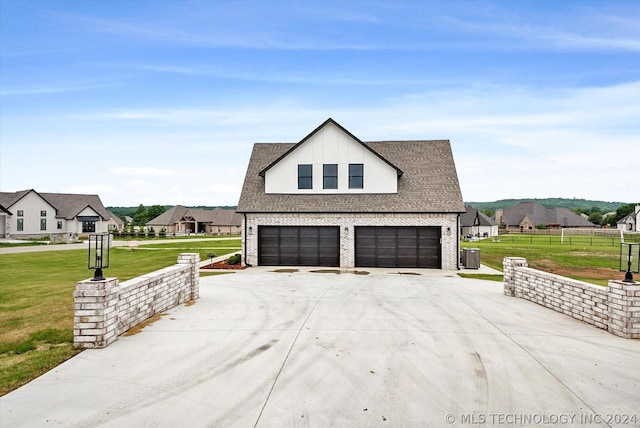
{"x":223,"y":265}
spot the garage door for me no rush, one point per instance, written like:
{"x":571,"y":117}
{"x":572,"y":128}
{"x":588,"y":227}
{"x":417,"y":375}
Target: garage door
{"x":299,"y":246}
{"x":404,"y":247}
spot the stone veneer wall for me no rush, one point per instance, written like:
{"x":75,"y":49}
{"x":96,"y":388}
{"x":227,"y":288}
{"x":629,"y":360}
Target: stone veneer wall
{"x":347,"y":223}
{"x":615,"y":308}
{"x":106,"y":309}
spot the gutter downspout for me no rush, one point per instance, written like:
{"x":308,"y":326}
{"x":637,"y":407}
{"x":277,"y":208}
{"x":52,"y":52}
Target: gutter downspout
{"x":244,"y":241}
{"x":458,"y":241}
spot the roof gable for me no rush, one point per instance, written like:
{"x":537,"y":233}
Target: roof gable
{"x":216,"y":216}
{"x":429,"y":183}
{"x":69,"y":205}
{"x":328,"y":122}
{"x":475,"y":217}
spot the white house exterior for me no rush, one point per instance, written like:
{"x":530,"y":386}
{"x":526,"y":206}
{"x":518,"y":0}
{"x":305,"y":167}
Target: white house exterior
{"x":631,"y":222}
{"x":475,"y":223}
{"x":60,"y":216}
{"x":333,"y":200}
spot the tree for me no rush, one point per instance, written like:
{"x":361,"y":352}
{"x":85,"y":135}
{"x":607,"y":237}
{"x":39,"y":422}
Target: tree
{"x":595,"y":218}
{"x":140,"y":216}
{"x":154,"y":211}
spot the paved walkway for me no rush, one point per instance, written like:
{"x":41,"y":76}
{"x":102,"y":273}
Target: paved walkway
{"x":375,"y":348}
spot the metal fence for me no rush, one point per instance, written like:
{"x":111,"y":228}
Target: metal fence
{"x":556,"y":239}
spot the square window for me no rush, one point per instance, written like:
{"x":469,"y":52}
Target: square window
{"x":330,"y":176}
{"x":43,"y":213}
{"x":305,"y":176}
{"x":356,"y":176}
{"x":20,"y":213}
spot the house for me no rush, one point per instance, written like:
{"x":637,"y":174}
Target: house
{"x":474,"y":223}
{"x":333,"y":200}
{"x":630,"y":222}
{"x":531,"y":215}
{"x":182,"y":220}
{"x":114,"y":223}
{"x":59,"y":216}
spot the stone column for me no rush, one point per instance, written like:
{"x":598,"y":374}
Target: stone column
{"x":192,"y":259}
{"x":624,"y":309}
{"x":95,"y":318}
{"x":510,"y":264}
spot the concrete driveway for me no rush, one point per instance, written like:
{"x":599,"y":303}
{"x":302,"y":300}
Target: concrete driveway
{"x":415,"y":349}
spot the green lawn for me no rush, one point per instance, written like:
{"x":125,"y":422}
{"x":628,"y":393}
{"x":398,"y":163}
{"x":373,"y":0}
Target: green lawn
{"x":36,"y":301}
{"x":590,"y":259}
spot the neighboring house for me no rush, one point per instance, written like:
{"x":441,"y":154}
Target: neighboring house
{"x":531,"y":215}
{"x":182,"y":220}
{"x":631,"y":222}
{"x":115,"y":223}
{"x":333,"y":200}
{"x":60,"y":216}
{"x":475,"y":223}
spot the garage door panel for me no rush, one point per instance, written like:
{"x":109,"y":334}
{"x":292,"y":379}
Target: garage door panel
{"x":398,"y":246}
{"x":298,"y":245}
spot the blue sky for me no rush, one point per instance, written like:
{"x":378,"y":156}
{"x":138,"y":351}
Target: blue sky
{"x":160,"y":102}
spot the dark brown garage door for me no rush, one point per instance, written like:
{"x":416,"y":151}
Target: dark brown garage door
{"x":299,"y":246}
{"x":404,"y":247}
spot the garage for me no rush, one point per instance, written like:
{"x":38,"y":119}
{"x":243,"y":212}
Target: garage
{"x":299,"y":246}
{"x":400,"y":247}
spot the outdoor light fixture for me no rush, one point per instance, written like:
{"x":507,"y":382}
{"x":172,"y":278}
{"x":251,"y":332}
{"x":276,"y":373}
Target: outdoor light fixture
{"x":98,"y":254}
{"x":250,"y":230}
{"x":448,"y":230}
{"x":629,"y":259}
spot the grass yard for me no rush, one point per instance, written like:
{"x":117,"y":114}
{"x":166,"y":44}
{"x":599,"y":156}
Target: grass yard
{"x":590,"y":259}
{"x":36,"y":301}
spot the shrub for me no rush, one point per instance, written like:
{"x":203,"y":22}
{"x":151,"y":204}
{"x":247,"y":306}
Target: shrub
{"x":235,"y":259}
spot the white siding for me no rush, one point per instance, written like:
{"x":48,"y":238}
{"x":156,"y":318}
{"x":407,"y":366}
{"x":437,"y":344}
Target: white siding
{"x":331,"y":145}
{"x":31,"y":205}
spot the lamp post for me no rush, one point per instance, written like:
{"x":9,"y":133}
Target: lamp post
{"x":98,"y":257}
{"x":629,"y":260}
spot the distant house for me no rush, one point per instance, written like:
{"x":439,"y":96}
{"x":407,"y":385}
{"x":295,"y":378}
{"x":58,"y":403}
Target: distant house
{"x":474,"y":223}
{"x":115,"y":223}
{"x":182,"y":220}
{"x":531,"y":215}
{"x":59,"y":216}
{"x":631,"y":222}
{"x":334,"y":200}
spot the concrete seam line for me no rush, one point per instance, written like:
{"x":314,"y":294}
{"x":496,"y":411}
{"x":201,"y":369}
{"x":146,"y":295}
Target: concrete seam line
{"x":286,"y":358}
{"x":536,"y":360}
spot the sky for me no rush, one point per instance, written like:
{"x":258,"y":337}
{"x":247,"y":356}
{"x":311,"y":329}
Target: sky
{"x":160,"y":102}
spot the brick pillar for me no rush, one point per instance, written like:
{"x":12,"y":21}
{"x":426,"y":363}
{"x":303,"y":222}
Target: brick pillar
{"x":624,"y":309}
{"x":509,"y":265}
{"x":95,"y":313}
{"x":192,"y":259}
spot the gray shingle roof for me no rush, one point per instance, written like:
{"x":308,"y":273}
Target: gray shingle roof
{"x":468,"y":218}
{"x":216,"y":216}
{"x":67,"y":205}
{"x":539,"y":214}
{"x":429,"y":183}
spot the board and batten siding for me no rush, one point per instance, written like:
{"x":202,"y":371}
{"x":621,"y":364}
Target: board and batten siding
{"x":327,"y":146}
